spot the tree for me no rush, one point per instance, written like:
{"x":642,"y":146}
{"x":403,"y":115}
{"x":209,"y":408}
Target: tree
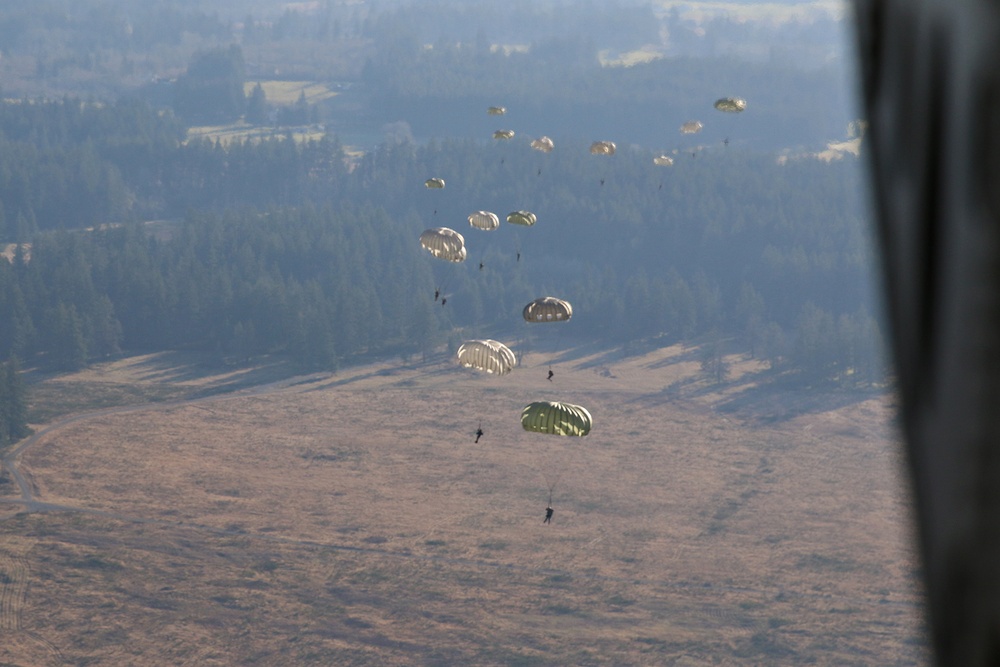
{"x":13,"y":404}
{"x":212,"y":88}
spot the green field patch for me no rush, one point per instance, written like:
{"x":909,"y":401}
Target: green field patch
{"x":286,"y":93}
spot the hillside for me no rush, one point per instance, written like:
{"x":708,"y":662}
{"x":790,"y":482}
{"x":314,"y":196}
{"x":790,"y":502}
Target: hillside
{"x":350,"y":519}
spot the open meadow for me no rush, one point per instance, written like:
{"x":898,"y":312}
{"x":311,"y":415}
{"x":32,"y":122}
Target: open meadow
{"x":349,"y":519}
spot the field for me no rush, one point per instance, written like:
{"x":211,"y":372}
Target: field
{"x":349,"y":519}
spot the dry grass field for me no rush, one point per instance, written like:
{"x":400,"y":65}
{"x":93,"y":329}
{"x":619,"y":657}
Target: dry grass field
{"x":350,"y":520}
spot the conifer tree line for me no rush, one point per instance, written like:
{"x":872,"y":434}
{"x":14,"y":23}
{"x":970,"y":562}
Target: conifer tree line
{"x":13,"y":405}
{"x":278,"y":247}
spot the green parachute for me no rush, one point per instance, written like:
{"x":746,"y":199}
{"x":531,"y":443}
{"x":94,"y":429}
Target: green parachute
{"x":524,"y":218}
{"x":503,"y":134}
{"x":496,"y":111}
{"x":434,"y":183}
{"x":556,"y":418}
{"x":731,"y":104}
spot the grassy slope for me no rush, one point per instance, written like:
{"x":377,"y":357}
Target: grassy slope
{"x":351,"y":520}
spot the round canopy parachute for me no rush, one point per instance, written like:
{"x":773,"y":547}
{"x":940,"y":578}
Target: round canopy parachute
{"x":444,"y":243}
{"x":484,"y":220}
{"x":496,"y":111}
{"x":543,"y":144}
{"x":503,"y":134}
{"x":603,"y":148}
{"x":489,"y":356}
{"x":556,"y":418}
{"x":691,"y":127}
{"x":526,"y":218}
{"x":548,"y":309}
{"x":663,"y":160}
{"x":434,"y":183}
{"x":731,"y":104}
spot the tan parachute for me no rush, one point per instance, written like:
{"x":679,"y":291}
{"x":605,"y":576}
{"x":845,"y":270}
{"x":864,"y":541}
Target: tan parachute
{"x":663,"y":160}
{"x":543,"y":144}
{"x":489,"y":356}
{"x":496,"y":111}
{"x":548,"y":309}
{"x":691,"y":127}
{"x":503,"y":134}
{"x":556,"y":418}
{"x":434,"y":183}
{"x":484,"y":220}
{"x":731,"y":104}
{"x":525,"y":218}
{"x":603,"y":148}
{"x":444,"y":243}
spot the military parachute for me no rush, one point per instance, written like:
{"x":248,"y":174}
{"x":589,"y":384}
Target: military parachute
{"x":525,"y":218}
{"x":548,"y":309}
{"x":496,"y":111}
{"x":663,"y":160}
{"x":543,"y":144}
{"x":503,"y":134}
{"x":444,"y":243}
{"x":691,"y":127}
{"x":434,"y":183}
{"x":602,"y":148}
{"x":731,"y":104}
{"x":484,"y":220}
{"x":489,"y":356}
{"x":556,"y":418}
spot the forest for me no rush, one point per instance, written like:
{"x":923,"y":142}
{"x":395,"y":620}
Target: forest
{"x":124,"y":234}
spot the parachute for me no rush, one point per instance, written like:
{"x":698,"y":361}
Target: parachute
{"x":496,"y":111}
{"x":543,"y":144}
{"x":663,"y":160}
{"x":503,"y":134}
{"x":444,"y":243}
{"x":434,"y":183}
{"x":603,"y":148}
{"x":526,"y":218}
{"x":556,"y":418}
{"x":484,"y":220}
{"x":489,"y":356}
{"x":548,"y":309}
{"x":731,"y":104}
{"x":691,"y":127}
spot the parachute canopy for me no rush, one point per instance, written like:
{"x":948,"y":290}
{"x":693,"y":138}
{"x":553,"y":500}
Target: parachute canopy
{"x":603,"y":148}
{"x":444,"y":243}
{"x":663,"y":160}
{"x":526,"y":218}
{"x":434,"y":183}
{"x":484,"y":220}
{"x":543,"y":144}
{"x":691,"y":127}
{"x":731,"y":104}
{"x":556,"y":418}
{"x":503,"y":134}
{"x":496,"y":111}
{"x":489,"y":356}
{"x":548,"y":309}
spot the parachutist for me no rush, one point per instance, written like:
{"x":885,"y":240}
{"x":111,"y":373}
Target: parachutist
{"x":548,"y":514}
{"x":444,"y":300}
{"x":479,"y":434}
{"x":519,"y":257}
{"x":539,"y":172}
{"x":480,"y":266}
{"x":437,"y":294}
{"x":550,"y":375}
{"x":726,"y":141}
{"x":602,"y":181}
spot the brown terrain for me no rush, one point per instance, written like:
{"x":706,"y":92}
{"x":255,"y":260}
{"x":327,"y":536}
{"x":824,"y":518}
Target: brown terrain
{"x":349,"y":519}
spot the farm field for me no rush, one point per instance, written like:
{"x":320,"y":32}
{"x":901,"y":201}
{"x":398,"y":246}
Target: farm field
{"x":349,"y":519}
